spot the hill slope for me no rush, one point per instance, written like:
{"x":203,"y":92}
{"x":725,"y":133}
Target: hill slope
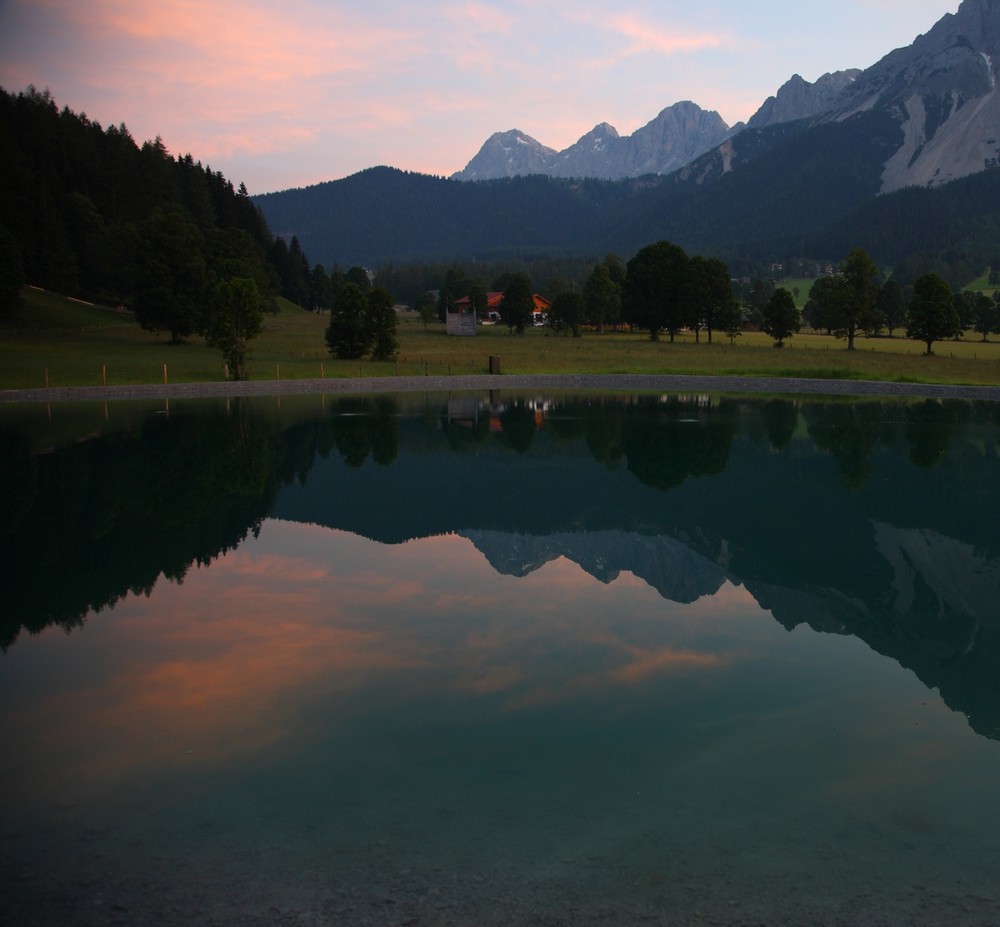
{"x":925,"y":115}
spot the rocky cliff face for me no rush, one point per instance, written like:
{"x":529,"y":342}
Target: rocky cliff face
{"x":672,"y":568}
{"x":942,"y":89}
{"x":677,"y":135}
{"x":929,"y":617}
{"x":508,"y":154}
{"x":798,"y":99}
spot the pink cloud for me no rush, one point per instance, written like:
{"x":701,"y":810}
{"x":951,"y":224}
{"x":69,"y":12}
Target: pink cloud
{"x":646,"y":663}
{"x":223,"y":77}
{"x":644,"y":36}
{"x":235,"y":42}
{"x":309,"y":90}
{"x":222,"y":666}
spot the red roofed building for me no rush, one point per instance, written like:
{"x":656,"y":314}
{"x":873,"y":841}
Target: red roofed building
{"x":465,"y":320}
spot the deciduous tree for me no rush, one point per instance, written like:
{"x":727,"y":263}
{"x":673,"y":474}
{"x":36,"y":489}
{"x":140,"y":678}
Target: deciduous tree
{"x":891,"y":305}
{"x":567,"y":313}
{"x":602,"y":297}
{"x":655,"y":282}
{"x":781,"y":317}
{"x":517,"y":305}
{"x":965,"y":306}
{"x":427,"y":309}
{"x":825,"y":296}
{"x":709,"y":289}
{"x":757,"y":296}
{"x":855,"y":311}
{"x":348,"y":335}
{"x":478,"y":300}
{"x":235,"y":321}
{"x":932,"y":316}
{"x":987,"y":318}
{"x":730,"y":319}
{"x":359,"y":277}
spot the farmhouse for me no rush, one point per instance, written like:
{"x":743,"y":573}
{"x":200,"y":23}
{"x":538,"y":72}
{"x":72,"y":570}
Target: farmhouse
{"x":462,"y":320}
{"x":540,"y":313}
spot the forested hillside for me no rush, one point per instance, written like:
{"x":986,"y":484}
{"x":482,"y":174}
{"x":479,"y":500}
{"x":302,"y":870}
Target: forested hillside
{"x":88,"y":212}
{"x":386,"y":215}
{"x":793,"y":191}
{"x":784,"y":184}
{"x":953,"y":230}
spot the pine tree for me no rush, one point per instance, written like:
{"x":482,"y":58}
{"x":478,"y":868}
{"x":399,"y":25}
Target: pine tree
{"x":382,"y":324}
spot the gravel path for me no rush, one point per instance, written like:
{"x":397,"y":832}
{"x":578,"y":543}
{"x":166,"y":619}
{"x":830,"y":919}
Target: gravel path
{"x":517,"y":382}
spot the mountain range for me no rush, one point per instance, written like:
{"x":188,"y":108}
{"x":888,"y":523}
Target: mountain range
{"x":851,"y":518}
{"x":899,"y":158}
{"x":918,"y":587}
{"x":678,"y":135}
{"x":674,"y":138}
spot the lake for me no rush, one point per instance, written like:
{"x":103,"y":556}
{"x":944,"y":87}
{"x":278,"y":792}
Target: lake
{"x":501,"y":659}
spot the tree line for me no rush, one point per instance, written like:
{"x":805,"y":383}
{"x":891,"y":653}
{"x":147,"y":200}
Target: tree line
{"x":219,"y":473}
{"x":87,"y":211}
{"x":797,"y":193}
{"x":659,"y":289}
{"x":663,"y":290}
{"x":858,"y":299}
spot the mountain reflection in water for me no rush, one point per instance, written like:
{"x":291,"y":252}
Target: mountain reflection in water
{"x":873,"y":519}
{"x":500,"y":660}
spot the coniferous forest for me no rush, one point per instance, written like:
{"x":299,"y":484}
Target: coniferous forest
{"x":87,"y":211}
{"x":796,"y":195}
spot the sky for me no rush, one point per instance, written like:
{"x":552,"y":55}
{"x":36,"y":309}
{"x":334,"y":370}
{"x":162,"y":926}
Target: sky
{"x":287,"y":94}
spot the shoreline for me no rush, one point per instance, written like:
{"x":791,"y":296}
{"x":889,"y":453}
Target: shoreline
{"x":493,"y":382}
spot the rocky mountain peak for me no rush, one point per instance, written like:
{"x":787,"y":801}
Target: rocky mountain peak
{"x":603,"y":130}
{"x":679,"y":133}
{"x":942,"y":90}
{"x":799,"y":99}
{"x":675,"y":137}
{"x":508,"y":154}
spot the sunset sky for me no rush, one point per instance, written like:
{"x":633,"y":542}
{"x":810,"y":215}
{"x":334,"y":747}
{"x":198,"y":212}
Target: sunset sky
{"x":290,"y":94}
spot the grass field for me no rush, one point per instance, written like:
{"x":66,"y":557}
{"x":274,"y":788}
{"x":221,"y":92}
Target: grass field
{"x":57,"y":342}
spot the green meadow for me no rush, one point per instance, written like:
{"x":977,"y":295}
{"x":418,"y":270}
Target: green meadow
{"x":58,"y":342}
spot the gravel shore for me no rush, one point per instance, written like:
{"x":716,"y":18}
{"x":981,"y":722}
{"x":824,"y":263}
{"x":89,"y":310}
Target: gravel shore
{"x":516,"y":382}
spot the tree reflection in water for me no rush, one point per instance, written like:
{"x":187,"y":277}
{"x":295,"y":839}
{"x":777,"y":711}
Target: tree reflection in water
{"x":872,"y":518}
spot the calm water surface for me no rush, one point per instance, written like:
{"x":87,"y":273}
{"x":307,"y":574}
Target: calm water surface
{"x":501,"y":660}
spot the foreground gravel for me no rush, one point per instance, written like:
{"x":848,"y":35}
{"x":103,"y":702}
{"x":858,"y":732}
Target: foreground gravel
{"x":517,"y":382}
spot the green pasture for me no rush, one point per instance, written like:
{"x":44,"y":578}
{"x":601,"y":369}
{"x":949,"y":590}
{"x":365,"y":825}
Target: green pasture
{"x":799,"y":287}
{"x":63,"y":343}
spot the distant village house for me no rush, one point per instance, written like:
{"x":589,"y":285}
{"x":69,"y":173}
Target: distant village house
{"x":462,"y":320}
